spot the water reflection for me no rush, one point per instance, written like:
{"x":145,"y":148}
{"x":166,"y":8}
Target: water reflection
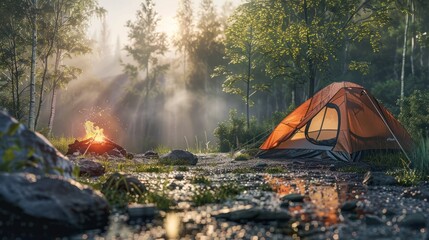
{"x":325,"y":199}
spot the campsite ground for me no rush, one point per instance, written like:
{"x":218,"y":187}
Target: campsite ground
{"x":221,"y":198}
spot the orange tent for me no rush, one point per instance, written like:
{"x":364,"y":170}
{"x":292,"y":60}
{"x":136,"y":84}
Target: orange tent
{"x":340,"y":121}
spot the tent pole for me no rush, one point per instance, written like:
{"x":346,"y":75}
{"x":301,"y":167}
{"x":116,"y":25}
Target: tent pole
{"x":387,"y":125}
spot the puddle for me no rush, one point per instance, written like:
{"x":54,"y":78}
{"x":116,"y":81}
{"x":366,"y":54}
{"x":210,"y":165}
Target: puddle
{"x":322,"y":200}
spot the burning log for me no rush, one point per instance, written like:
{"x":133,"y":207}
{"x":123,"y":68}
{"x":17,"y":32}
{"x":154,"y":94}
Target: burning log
{"x":96,"y":143}
{"x":96,"y":147}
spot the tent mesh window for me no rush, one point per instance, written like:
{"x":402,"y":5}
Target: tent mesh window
{"x":322,"y":129}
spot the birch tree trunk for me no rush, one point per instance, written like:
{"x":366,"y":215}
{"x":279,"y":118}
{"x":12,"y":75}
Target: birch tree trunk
{"x":54,"y":92}
{"x":31,"y":115}
{"x":404,"y":51}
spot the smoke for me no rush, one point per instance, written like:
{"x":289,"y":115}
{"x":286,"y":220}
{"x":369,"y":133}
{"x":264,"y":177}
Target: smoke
{"x":174,"y":115}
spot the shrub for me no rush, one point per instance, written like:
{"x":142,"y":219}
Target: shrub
{"x":415,"y":114}
{"x":233,"y":133}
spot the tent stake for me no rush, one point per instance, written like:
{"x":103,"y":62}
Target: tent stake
{"x":387,"y":125}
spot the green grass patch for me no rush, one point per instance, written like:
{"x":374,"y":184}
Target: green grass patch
{"x":160,"y":199}
{"x":407,"y":177}
{"x":201,"y":180}
{"x":216,"y":195}
{"x":275,"y":170}
{"x":242,"y":157}
{"x":153,"y":168}
{"x":385,"y":160}
{"x":61,"y":143}
{"x":161,"y":149}
{"x":182,"y":169}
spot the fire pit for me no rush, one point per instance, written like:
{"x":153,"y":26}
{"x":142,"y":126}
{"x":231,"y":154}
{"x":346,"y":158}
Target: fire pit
{"x":96,"y":143}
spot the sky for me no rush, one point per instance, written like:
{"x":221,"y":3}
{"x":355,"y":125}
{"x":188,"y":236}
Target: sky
{"x":120,"y":11}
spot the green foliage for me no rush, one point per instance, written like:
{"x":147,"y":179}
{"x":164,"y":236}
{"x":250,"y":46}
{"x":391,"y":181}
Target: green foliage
{"x":162,"y":149}
{"x":201,"y":180}
{"x":242,"y":157}
{"x":406,"y":176}
{"x":385,"y":160}
{"x":415,"y":114}
{"x":61,"y":143}
{"x":160,"y":199}
{"x":153,"y":168}
{"x":182,"y":169}
{"x":275,"y":170}
{"x":420,"y":157}
{"x":233,"y":133}
{"x":215,"y":195}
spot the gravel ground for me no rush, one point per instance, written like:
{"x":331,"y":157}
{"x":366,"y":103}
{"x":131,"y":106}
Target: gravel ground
{"x":326,"y":204}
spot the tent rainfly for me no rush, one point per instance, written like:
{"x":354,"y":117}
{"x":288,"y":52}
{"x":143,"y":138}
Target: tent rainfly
{"x":340,"y":121}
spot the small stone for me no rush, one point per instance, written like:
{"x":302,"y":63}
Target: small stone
{"x":179,"y":176}
{"x":90,"y":168}
{"x":332,"y":167}
{"x":172,"y":186}
{"x":260,"y":166}
{"x":253,"y":214}
{"x":349,"y":206}
{"x":373,"y":220}
{"x":414,"y":220}
{"x":293,"y":198}
{"x":147,"y":211}
{"x":150,"y":154}
{"x":284,"y":204}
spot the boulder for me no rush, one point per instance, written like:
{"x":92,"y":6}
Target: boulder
{"x":22,"y":150}
{"x":179,"y":157}
{"x":123,"y":183}
{"x":90,"y":168}
{"x":50,"y":204}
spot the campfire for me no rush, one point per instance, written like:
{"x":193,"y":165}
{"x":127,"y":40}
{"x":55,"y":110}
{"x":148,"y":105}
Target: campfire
{"x":95,"y":143}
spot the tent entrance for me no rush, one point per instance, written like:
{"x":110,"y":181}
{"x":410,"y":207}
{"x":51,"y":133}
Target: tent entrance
{"x":323,"y":128}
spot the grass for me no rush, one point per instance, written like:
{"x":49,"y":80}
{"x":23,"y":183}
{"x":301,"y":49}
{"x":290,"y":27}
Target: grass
{"x":420,"y":157}
{"x":406,"y":177}
{"x":242,"y":157}
{"x":217,"y":194}
{"x":182,"y":169}
{"x":61,"y":143}
{"x":385,"y":160}
{"x":161,"y":149}
{"x":153,"y":168}
{"x":201,"y":180}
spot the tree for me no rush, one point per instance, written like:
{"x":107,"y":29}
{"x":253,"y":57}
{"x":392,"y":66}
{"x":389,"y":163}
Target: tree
{"x":14,"y":58}
{"x":184,"y":37}
{"x":243,"y":52}
{"x":147,"y":44}
{"x":32,"y":108}
{"x":306,"y":35}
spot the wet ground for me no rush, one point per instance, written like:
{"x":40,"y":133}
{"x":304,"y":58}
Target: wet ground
{"x":322,"y":202}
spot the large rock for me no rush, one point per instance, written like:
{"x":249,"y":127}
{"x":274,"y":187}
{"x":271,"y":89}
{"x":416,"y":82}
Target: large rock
{"x":90,"y":168}
{"x":33,"y":204}
{"x":179,"y":157}
{"x":22,"y":150}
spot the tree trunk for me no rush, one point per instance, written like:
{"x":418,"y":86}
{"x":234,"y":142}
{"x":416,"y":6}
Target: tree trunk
{"x":31,"y":117}
{"x":54,"y":92}
{"x":404,"y":50}
{"x":42,"y":90}
{"x":413,"y":34}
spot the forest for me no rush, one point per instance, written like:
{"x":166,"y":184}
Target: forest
{"x":261,"y":57}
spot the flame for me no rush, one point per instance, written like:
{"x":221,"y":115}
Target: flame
{"x":94,"y":132}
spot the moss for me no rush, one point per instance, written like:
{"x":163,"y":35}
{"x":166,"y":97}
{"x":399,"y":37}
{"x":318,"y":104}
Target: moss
{"x":243,"y":170}
{"x":182,"y":169}
{"x":353,"y":169}
{"x":153,"y":168}
{"x":242,"y":157}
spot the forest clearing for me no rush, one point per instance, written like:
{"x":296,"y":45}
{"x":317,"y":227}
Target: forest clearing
{"x":214,"y":119}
